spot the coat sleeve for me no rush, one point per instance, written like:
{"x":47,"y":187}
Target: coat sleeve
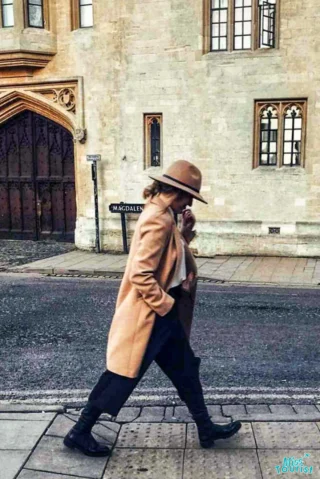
{"x":154,"y":235}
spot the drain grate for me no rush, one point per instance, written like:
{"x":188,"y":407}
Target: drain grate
{"x":114,"y":276}
{"x":78,"y":275}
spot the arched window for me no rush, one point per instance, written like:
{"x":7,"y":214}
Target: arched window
{"x":280,"y":130}
{"x":269,"y":124}
{"x":292,"y":136}
{"x":6,"y":14}
{"x":152,"y":139}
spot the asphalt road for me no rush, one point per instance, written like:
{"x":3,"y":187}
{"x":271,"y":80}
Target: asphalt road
{"x":53,"y":335}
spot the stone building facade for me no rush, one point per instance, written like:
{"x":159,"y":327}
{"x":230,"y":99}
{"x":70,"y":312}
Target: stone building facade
{"x":231,"y":85}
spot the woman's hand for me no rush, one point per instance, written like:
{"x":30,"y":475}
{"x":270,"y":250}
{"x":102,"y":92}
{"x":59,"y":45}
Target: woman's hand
{"x":189,"y":283}
{"x":188,"y":222}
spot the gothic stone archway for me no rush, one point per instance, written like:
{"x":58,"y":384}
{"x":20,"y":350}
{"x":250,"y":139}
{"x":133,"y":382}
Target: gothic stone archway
{"x":37,"y":186}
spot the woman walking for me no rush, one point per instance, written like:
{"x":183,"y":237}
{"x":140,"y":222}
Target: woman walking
{"x":153,"y":313}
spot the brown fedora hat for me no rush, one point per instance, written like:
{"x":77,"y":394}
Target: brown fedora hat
{"x":184,"y":176}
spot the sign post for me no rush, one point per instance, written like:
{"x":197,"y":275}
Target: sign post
{"x":94,"y":159}
{"x":123,"y":209}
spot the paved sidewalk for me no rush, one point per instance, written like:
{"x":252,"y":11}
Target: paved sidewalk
{"x":234,"y":269}
{"x":158,"y":442}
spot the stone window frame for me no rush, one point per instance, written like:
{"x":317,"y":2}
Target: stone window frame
{"x":75,"y":15}
{"x":281,"y":106}
{"x":147,"y":120}
{"x":1,"y":15}
{"x":46,"y":15}
{"x":255,"y":47}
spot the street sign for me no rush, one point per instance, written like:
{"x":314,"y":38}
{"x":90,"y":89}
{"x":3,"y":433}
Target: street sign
{"x":126,"y":208}
{"x":93,"y":157}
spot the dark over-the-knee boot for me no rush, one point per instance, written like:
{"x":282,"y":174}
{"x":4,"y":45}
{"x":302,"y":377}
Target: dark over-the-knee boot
{"x":190,"y":391}
{"x":80,"y":437}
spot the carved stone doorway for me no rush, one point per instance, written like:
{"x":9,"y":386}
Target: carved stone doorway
{"x":37,"y":187}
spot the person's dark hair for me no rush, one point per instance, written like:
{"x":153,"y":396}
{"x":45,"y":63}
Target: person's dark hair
{"x":158,"y":187}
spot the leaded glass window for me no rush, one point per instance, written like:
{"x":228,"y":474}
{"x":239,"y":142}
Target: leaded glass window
{"x":280,"y":130}
{"x":86,"y":13}
{"x":292,"y":136}
{"x":35,"y":13}
{"x":242,"y":24}
{"x":153,"y":140}
{"x":219,"y":23}
{"x":268,"y":136}
{"x":7,"y":18}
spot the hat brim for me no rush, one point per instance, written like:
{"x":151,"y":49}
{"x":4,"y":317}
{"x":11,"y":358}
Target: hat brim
{"x":168,"y":181}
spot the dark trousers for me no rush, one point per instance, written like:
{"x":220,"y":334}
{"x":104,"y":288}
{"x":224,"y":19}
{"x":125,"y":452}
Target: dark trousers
{"x":170,"y":348}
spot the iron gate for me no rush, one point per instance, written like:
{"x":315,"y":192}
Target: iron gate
{"x":37,"y":188}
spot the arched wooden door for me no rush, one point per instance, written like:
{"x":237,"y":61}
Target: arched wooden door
{"x":37,"y":188}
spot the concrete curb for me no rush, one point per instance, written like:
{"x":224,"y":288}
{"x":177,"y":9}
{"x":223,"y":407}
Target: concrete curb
{"x":164,"y":414}
{"x":119,"y":274}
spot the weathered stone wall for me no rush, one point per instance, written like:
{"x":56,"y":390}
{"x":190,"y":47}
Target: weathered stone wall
{"x":146,"y":56}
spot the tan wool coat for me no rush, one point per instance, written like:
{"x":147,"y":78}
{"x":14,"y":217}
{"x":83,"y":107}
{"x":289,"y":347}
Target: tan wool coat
{"x":155,"y":253}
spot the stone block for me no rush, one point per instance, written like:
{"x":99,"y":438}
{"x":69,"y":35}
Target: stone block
{"x":151,"y":414}
{"x":21,"y":435}
{"x":166,"y":436}
{"x":303,"y":435}
{"x":148,"y":463}
{"x":30,"y":474}
{"x":29,"y":408}
{"x":244,"y":439}
{"x":258,"y":409}
{"x":52,"y":456}
{"x":218,"y":464}
{"x":282,"y":409}
{"x":105,"y":432}
{"x":11,"y":462}
{"x":234,"y":410}
{"x":128,"y":414}
{"x":33,"y":416}
{"x":303,"y":409}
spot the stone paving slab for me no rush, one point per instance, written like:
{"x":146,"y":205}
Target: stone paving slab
{"x":11,"y":462}
{"x":151,"y":414}
{"x":10,"y":408}
{"x":244,"y":439}
{"x":21,"y":435}
{"x":181,"y":414}
{"x":278,"y":417}
{"x":20,"y":416}
{"x":234,"y":410}
{"x":50,"y":455}
{"x":286,"y":435}
{"x":306,"y":409}
{"x":128,"y":414}
{"x":31,"y":474}
{"x":139,"y":435}
{"x":258,"y":409}
{"x":282,"y":409}
{"x":147,"y":464}
{"x":103,"y":432}
{"x":269,"y":458}
{"x":221,"y":464}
